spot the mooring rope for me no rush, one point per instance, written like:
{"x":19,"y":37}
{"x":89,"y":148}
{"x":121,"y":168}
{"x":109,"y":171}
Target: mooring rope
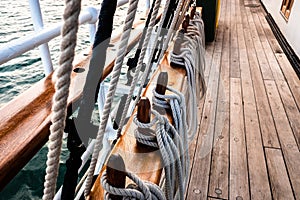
{"x":112,"y":89}
{"x":59,"y":101}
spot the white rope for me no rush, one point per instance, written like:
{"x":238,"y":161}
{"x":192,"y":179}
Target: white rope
{"x":112,"y":88}
{"x":191,"y":57}
{"x":59,"y":105}
{"x":181,"y":9}
{"x":140,"y":63}
{"x":170,"y":143}
{"x":147,"y":190}
{"x":148,"y":64}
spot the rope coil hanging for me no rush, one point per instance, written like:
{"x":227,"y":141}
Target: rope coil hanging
{"x":172,"y":141}
{"x":170,"y":144}
{"x":59,"y":105}
{"x":146,"y":190}
{"x":191,"y":55}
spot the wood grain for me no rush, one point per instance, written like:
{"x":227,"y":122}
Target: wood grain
{"x":281,"y":188}
{"x":144,"y":162}
{"x":25,"y":121}
{"x":288,"y":143}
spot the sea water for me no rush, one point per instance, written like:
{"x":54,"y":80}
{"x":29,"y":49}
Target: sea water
{"x":21,"y":73}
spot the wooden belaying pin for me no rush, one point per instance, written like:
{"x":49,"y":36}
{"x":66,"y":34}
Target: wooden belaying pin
{"x":178,"y":42}
{"x":162,"y":82}
{"x":144,"y":110}
{"x":161,"y":87}
{"x":144,"y":116}
{"x":116,"y":175}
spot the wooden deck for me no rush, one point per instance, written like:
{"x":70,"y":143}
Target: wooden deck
{"x":249,"y":130}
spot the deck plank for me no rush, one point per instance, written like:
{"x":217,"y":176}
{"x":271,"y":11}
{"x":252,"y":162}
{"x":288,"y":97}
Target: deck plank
{"x":234,"y":54}
{"x":262,"y":60}
{"x":218,"y":184}
{"x":253,"y":126}
{"x":289,"y":73}
{"x":259,"y":184}
{"x":283,"y":88}
{"x":291,"y":109}
{"x":267,"y":126}
{"x":198,"y":188}
{"x":239,"y":183}
{"x":274,"y":66}
{"x":281,"y":188}
{"x":287,"y":140}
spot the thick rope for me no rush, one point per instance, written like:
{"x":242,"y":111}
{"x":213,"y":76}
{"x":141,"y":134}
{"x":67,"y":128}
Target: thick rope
{"x":171,"y":146}
{"x":180,"y":9}
{"x":147,"y":190}
{"x":59,"y":106}
{"x":191,"y":57}
{"x":112,"y":89}
{"x":140,"y":63}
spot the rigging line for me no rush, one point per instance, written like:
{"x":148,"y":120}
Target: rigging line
{"x":165,"y":26}
{"x":74,"y":143}
{"x":132,"y":63}
{"x":60,"y":98}
{"x":148,"y":65}
{"x":175,"y":24}
{"x":151,"y":54}
{"x":140,"y":63}
{"x":112,"y":89}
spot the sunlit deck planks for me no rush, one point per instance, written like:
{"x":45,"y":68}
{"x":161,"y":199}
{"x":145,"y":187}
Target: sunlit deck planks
{"x":249,"y":126}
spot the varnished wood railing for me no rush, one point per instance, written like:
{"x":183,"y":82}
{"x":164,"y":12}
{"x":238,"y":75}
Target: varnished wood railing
{"x":25,"y":121}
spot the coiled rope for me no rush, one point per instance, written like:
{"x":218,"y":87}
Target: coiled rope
{"x":179,"y":10}
{"x":170,"y":144}
{"x":147,"y":190}
{"x":176,"y":102}
{"x":192,"y":57}
{"x":111,"y":91}
{"x":59,"y":101}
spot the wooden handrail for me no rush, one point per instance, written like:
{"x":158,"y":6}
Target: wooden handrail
{"x":25,"y":121}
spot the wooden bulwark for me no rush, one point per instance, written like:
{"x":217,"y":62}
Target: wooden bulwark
{"x":144,"y":162}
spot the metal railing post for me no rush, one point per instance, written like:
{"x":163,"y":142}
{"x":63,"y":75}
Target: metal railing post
{"x":38,"y":25}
